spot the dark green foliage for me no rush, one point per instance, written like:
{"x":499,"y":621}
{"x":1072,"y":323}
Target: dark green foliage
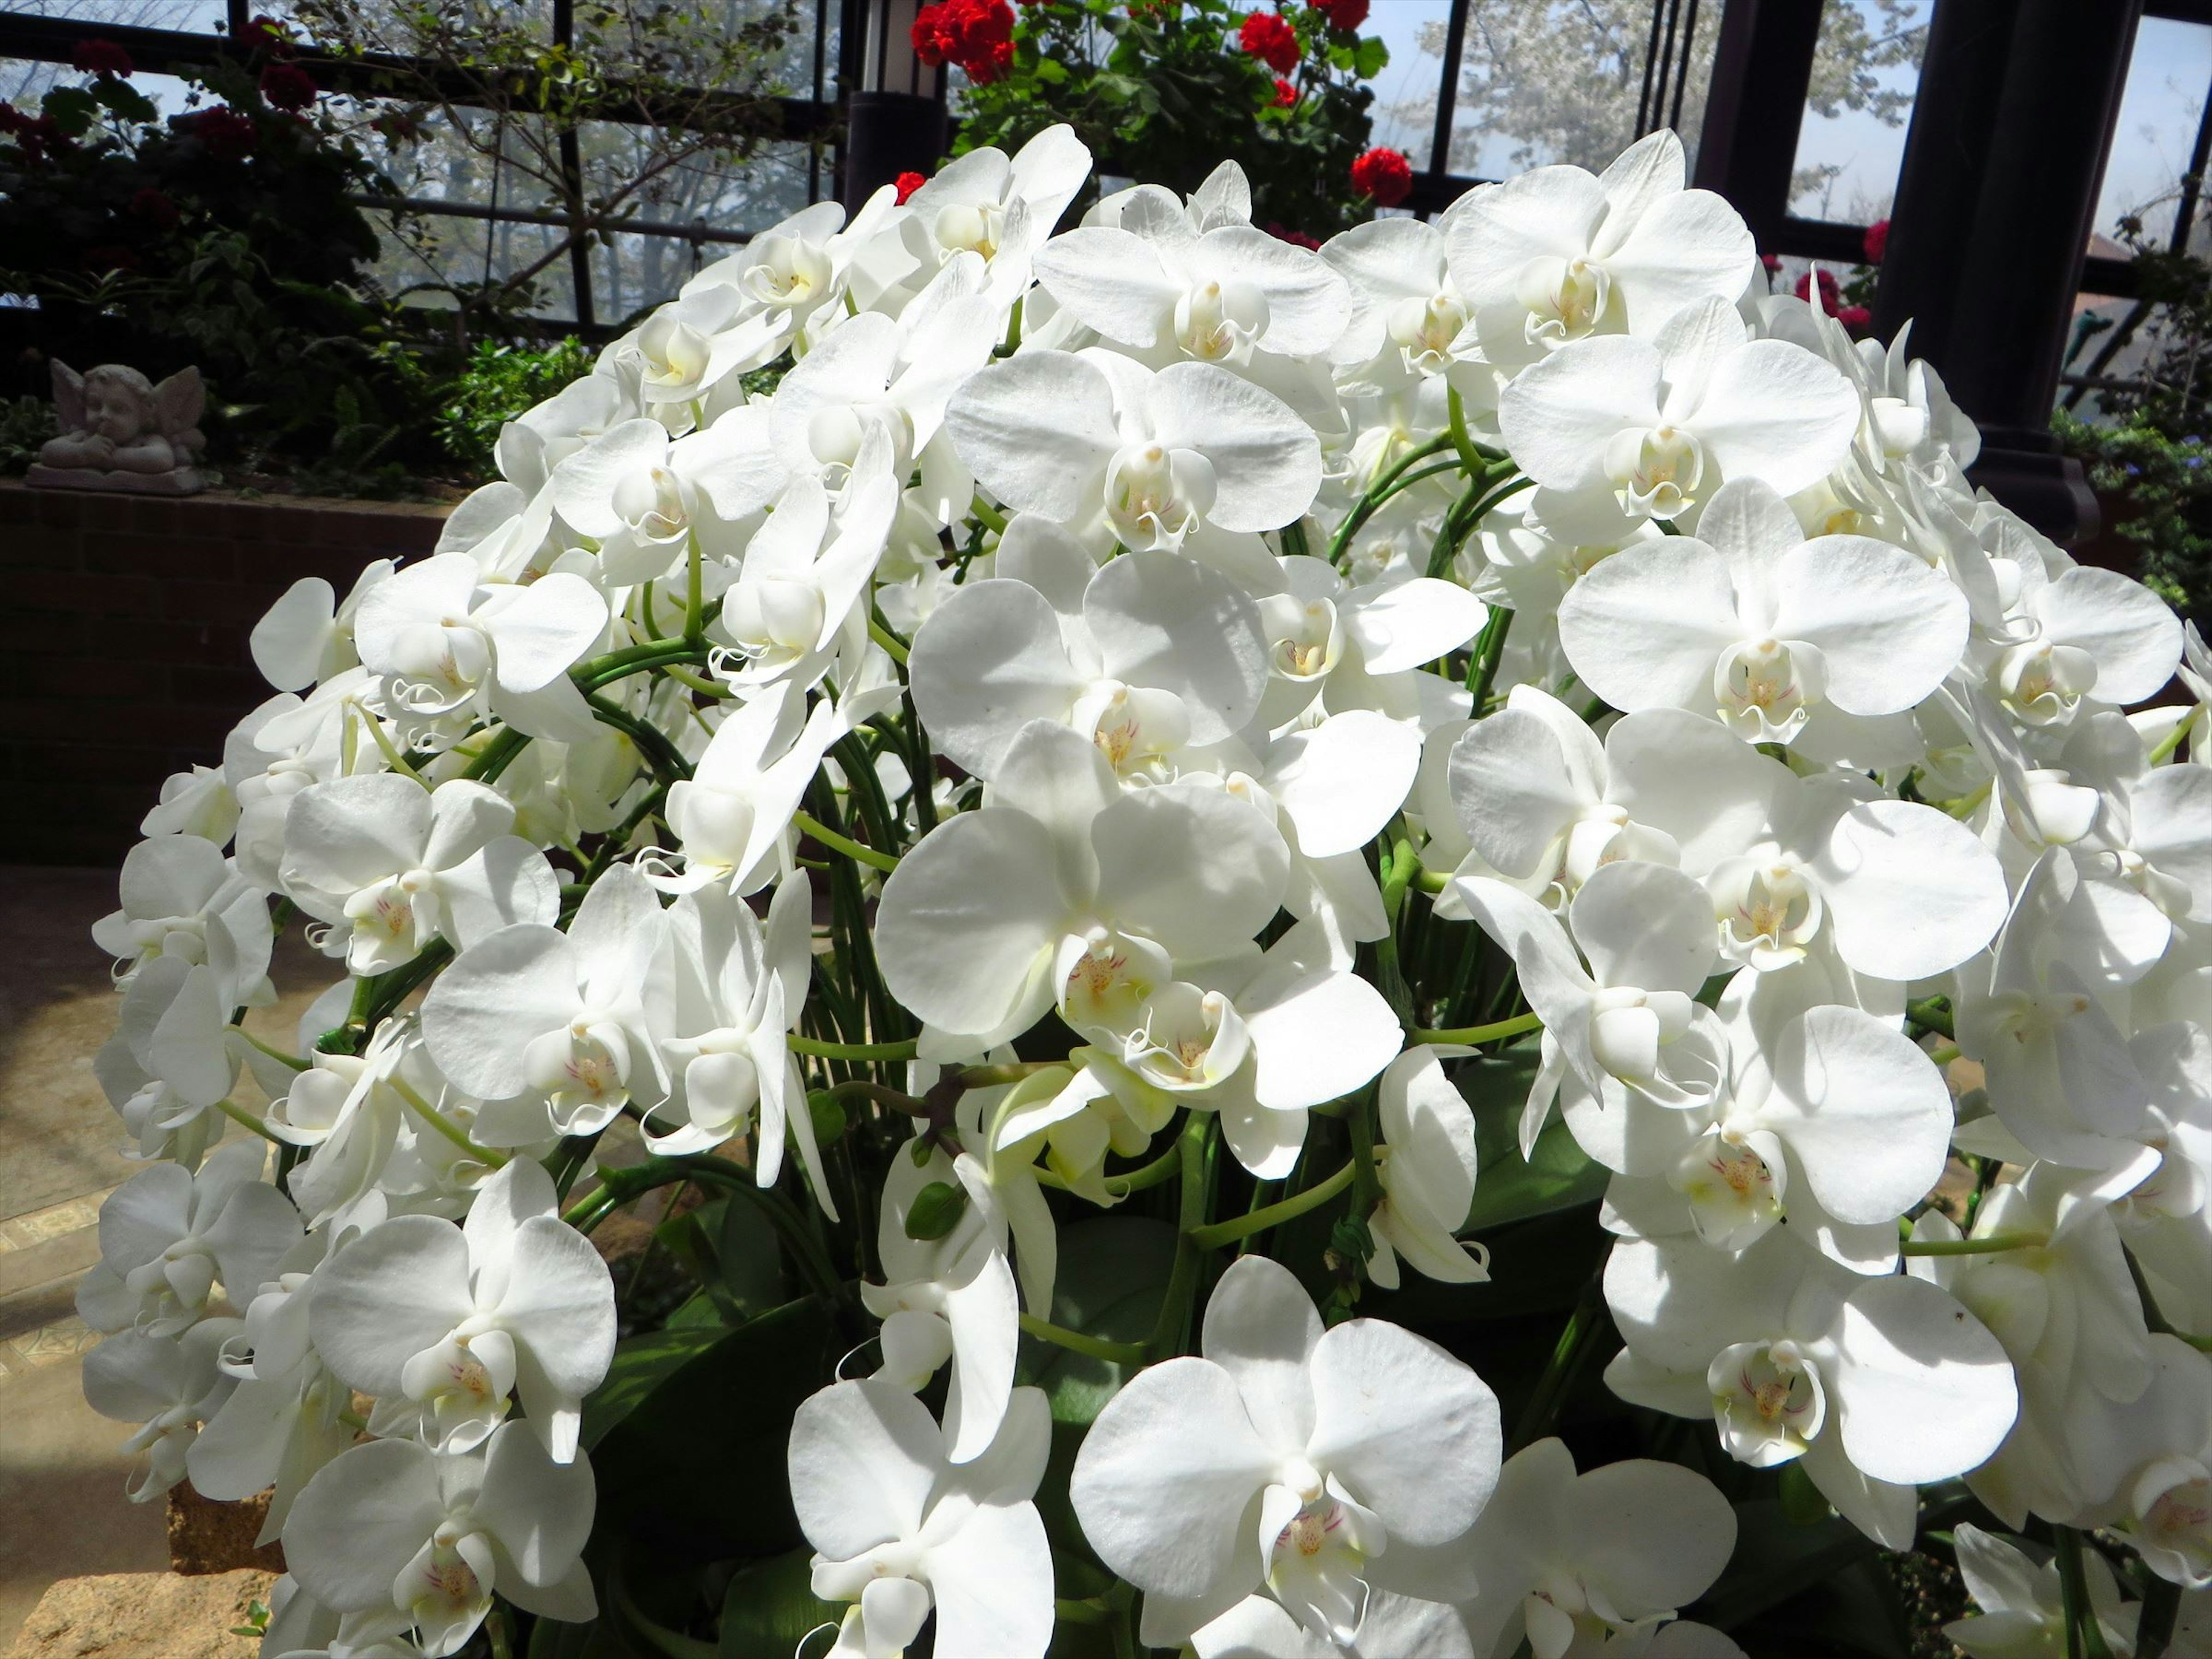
{"x":497,"y":383}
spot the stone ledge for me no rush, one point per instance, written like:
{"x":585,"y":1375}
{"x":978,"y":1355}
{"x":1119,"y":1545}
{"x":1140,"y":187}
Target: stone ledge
{"x":143,"y":1615}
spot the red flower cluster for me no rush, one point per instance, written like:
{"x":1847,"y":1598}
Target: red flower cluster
{"x":265,"y":33}
{"x":1831,"y":296}
{"x":1269,"y":37}
{"x":1294,"y":238}
{"x":1286,"y":94}
{"x":975,"y":35}
{"x":229,"y":136}
{"x":1346,"y":15}
{"x":1383,"y":175}
{"x":289,"y":86}
{"x":97,"y":56}
{"x":906,"y":184}
{"x":1877,"y":242}
{"x":37,"y":136}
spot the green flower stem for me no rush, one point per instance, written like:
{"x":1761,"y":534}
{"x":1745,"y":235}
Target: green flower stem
{"x":1244,"y":1226}
{"x":1460,"y":441}
{"x":1384,"y":486}
{"x":238,"y":1113}
{"x":1933,"y":1015}
{"x":893,"y":646}
{"x":993,"y":1077}
{"x":1489,"y":652}
{"x":694,"y":598}
{"x":276,"y":1055}
{"x":699,"y":682}
{"x":2161,"y":1605}
{"x":2173,"y":739}
{"x":601,"y":671}
{"x":1196,"y":1145}
{"x":443,"y":1125}
{"x":1162,"y":1168}
{"x":625,"y":1185}
{"x":861,"y":1051}
{"x":851,"y":848}
{"x":985,"y":514}
{"x":1472,"y":1034}
{"x":1988,"y":1245}
{"x":2085,"y":1638}
{"x":1114,"y":1353}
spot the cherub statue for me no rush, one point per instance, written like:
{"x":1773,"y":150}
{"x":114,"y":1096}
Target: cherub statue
{"x":121,"y":432}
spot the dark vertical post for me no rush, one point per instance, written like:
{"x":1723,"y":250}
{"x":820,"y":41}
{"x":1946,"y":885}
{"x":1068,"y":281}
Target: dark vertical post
{"x":1762,"y":66}
{"x":895,"y":112}
{"x":1994,"y":205}
{"x":571,"y":184}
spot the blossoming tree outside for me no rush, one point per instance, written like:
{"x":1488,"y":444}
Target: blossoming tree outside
{"x":1156,"y":785}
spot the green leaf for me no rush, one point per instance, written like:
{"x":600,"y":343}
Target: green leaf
{"x":1113,"y":1275}
{"x":1371,"y":58}
{"x":1559,"y":1175}
{"x":770,"y":1608}
{"x":936,"y":1210}
{"x":1051,"y":72}
{"x":690,"y":1457}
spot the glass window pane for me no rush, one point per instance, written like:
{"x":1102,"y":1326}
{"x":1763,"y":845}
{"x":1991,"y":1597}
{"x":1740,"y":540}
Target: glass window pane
{"x":1866,"y":71}
{"x":199,"y":16}
{"x":1560,"y":80}
{"x":436,"y":251}
{"x":670,"y":178}
{"x":1405,"y":107}
{"x":2168,"y":80}
{"x":23,"y":83}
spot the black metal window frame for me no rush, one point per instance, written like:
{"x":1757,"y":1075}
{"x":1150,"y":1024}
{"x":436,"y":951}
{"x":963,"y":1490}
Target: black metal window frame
{"x":813,"y":121}
{"x":1762,"y":71}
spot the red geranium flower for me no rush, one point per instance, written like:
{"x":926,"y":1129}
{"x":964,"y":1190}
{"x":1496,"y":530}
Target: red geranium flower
{"x":287,"y":86}
{"x":906,"y":184}
{"x":1855,"y":319}
{"x":1877,"y":242}
{"x":1772,"y":262}
{"x":1286,"y":94}
{"x":265,"y":33}
{"x":1830,"y":295}
{"x":1383,"y":175}
{"x":1346,"y":15}
{"x":97,"y":56}
{"x":1294,"y":238}
{"x":1270,"y":38}
{"x":229,"y":136}
{"x":976,"y":36}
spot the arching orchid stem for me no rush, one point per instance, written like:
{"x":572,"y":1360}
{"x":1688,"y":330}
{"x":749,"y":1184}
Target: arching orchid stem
{"x":1519,"y":1025}
{"x":277,"y":1054}
{"x":851,"y":849}
{"x":990,"y":1077}
{"x":861,"y":1051}
{"x":1989,"y":1245}
{"x":2085,"y":1638}
{"x":1489,"y":651}
{"x":894,"y":648}
{"x":1933,"y":1015}
{"x":1274,"y":1215}
{"x":1091,"y":1347}
{"x":237,"y":1114}
{"x":1380,"y":491}
{"x":443,"y":1125}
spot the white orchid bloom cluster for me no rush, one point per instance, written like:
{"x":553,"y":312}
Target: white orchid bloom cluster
{"x":1298,"y":752}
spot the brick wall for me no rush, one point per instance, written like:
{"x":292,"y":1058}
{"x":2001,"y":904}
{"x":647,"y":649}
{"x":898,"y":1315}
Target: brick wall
{"x":123,"y":643}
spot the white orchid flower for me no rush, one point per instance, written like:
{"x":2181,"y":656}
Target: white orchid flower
{"x":1627,"y":1023}
{"x":1568,"y":1560}
{"x":174,"y":888}
{"x":997,"y":208}
{"x":175,"y":1046}
{"x":1261,"y":1627}
{"x":1619,"y":428}
{"x":731,"y":816}
{"x":447,"y":647}
{"x":391,"y":1527}
{"x":395,"y":865}
{"x":788,"y":275}
{"x":1403,"y":297}
{"x":1152,"y":280}
{"x":1877,"y":1384}
{"x":556,"y":1022}
{"x":644,"y":498}
{"x":307,"y":637}
{"x":2156,"y":821}
{"x":901,"y":1532}
{"x":1427,"y":1165}
{"x":738,"y":992}
{"x":948,"y":1297}
{"x":168,"y":1385}
{"x":2085,"y":634}
{"x":2023,"y":1613}
{"x":983,"y":923}
{"x":450,"y":1319}
{"x":168,"y":1238}
{"x":1191,"y":458}
{"x":1319,"y":1466}
{"x":1556,"y":255}
{"x":1157,"y":654}
{"x":1359,"y":647}
{"x":1753,"y":624}
{"x":1544,"y":804}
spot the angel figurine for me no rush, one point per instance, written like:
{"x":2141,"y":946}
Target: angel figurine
{"x":121,"y":432}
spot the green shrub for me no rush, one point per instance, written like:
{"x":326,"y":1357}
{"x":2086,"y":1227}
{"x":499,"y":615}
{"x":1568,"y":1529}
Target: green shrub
{"x":496,"y":384}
